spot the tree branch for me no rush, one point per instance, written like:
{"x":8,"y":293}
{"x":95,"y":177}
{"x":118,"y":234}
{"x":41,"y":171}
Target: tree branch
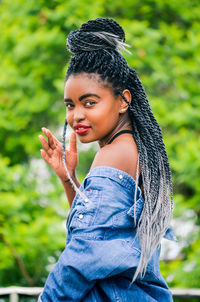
{"x":20,"y":263}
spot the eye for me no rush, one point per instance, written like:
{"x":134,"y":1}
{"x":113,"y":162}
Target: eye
{"x":89,"y":103}
{"x":69,"y":105}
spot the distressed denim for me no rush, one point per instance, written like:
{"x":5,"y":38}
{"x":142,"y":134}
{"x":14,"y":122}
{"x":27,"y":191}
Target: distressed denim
{"x":102,"y":250}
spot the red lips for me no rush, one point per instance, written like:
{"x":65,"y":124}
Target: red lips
{"x":80,"y":128}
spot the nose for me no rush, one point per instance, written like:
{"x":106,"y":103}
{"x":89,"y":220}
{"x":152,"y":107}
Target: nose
{"x":79,"y":114}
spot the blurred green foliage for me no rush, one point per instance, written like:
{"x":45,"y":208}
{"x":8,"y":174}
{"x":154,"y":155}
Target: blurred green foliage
{"x":165,"y":40}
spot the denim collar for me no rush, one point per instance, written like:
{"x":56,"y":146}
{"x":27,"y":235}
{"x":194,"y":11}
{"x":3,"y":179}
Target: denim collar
{"x":119,"y":176}
{"x":127,"y":181}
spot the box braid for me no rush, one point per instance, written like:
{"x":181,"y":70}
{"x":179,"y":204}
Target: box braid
{"x":96,"y":48}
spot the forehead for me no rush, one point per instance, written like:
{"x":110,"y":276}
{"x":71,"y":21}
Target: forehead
{"x":82,"y":83}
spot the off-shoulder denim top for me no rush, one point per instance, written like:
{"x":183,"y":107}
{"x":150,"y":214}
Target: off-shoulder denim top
{"x":102,"y":250}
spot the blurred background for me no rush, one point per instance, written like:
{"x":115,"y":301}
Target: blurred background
{"x":165,"y":45}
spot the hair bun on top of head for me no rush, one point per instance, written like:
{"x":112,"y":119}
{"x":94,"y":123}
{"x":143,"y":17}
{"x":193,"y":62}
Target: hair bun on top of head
{"x":102,"y":33}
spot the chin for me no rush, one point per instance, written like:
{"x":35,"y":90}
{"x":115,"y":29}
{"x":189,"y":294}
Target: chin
{"x":85,"y":139}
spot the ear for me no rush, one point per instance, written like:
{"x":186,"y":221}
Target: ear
{"x":124,"y":105}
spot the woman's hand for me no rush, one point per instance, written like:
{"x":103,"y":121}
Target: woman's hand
{"x":52,"y":154}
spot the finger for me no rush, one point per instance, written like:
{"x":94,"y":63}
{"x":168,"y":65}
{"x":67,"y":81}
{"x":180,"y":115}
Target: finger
{"x":49,"y":135}
{"x":45,"y":156}
{"x":51,"y":140}
{"x":73,"y":143}
{"x":56,"y":141}
{"x":44,"y":130}
{"x":45,"y":145}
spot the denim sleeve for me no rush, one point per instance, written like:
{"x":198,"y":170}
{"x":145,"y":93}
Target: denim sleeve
{"x":101,"y":240}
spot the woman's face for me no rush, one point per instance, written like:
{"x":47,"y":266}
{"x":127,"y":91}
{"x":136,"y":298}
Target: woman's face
{"x":92,"y":109}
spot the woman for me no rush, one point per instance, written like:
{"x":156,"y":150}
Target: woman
{"x":122,"y":210}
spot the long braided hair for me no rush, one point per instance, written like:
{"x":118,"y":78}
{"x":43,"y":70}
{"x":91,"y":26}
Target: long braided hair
{"x":96,"y":49}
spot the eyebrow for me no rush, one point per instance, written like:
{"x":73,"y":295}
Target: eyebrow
{"x":83,"y":97}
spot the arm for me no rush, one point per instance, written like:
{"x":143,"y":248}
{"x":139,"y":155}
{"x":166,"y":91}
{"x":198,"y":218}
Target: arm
{"x":69,"y":190}
{"x":52,"y":154}
{"x":97,"y":248}
{"x":82,"y":263}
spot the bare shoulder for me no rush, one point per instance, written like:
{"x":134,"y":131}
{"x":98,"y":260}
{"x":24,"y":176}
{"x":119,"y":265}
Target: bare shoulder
{"x":122,"y":156}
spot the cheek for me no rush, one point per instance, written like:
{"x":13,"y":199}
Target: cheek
{"x":69,"y":118}
{"x":108,"y":110}
{"x":111,"y":114}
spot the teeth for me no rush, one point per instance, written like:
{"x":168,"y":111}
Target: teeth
{"x":82,"y":128}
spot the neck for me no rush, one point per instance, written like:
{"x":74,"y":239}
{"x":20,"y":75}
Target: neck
{"x":124,"y":123}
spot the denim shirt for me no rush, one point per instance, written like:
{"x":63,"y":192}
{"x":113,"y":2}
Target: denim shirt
{"x":102,"y":251}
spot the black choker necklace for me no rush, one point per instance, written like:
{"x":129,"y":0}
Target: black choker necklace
{"x":117,"y":134}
